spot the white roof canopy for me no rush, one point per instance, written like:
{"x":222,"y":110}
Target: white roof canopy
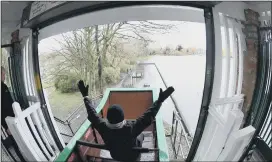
{"x":11,"y":13}
{"x":120,"y":14}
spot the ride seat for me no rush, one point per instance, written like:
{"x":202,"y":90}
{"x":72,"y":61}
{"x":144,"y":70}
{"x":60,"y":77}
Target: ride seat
{"x":147,"y":143}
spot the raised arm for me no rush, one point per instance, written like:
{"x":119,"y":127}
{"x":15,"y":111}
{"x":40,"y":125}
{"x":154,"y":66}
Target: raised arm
{"x":93,"y":117}
{"x":148,"y":117}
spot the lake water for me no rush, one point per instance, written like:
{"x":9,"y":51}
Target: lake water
{"x":186,"y":74}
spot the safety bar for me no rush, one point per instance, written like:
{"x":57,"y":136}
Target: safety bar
{"x":104,"y":147}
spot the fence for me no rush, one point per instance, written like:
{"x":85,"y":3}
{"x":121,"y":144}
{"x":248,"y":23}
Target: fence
{"x":72,"y":123}
{"x":180,"y":139}
{"x":173,"y":100}
{"x":32,"y":134}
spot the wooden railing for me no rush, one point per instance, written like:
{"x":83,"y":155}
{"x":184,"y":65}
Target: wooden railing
{"x":32,"y":134}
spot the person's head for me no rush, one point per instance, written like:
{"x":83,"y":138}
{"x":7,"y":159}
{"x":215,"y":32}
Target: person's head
{"x":3,"y":74}
{"x":115,"y":116}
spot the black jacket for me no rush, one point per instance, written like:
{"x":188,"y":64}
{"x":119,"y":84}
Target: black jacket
{"x":6,"y":104}
{"x":120,"y":141}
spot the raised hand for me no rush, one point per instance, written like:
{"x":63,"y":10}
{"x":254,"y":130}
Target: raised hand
{"x":83,"y":89}
{"x":165,"y":94}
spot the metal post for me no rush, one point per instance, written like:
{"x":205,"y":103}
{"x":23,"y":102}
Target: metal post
{"x":95,"y":137}
{"x":174,"y":142}
{"x":208,"y":85}
{"x":102,"y":114}
{"x":172,"y":128}
{"x":36,"y":67}
{"x":69,"y":125}
{"x":77,"y":150}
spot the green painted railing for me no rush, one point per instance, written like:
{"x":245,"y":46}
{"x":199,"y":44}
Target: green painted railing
{"x":162,"y":145}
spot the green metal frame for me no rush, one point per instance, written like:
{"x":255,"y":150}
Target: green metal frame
{"x":162,"y":145}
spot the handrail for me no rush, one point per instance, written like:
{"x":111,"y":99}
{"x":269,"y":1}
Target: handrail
{"x":67,"y":121}
{"x":73,"y":113}
{"x":79,"y":107}
{"x":104,"y":147}
{"x":126,"y":77}
{"x":60,"y":121}
{"x":174,"y":139}
{"x":66,"y":135}
{"x":173,"y":100}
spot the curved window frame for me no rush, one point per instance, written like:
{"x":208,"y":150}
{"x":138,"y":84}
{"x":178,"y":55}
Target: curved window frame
{"x":210,"y":55}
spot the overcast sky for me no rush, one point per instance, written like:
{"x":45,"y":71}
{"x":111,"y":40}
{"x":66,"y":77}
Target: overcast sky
{"x":188,"y":34}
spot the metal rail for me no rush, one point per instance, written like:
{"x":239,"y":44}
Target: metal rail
{"x":173,"y":100}
{"x":176,"y":137}
{"x":104,"y":147}
{"x":69,"y":120}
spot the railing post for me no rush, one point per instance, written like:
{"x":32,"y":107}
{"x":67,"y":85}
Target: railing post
{"x":69,"y":125}
{"x":172,"y":129}
{"x":77,"y":150}
{"x":95,"y":137}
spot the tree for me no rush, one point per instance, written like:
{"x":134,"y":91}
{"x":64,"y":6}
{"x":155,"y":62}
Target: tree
{"x":4,"y":63}
{"x":99,"y":58}
{"x":89,"y":51}
{"x":167,"y":51}
{"x":153,"y":52}
{"x":179,"y":48}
